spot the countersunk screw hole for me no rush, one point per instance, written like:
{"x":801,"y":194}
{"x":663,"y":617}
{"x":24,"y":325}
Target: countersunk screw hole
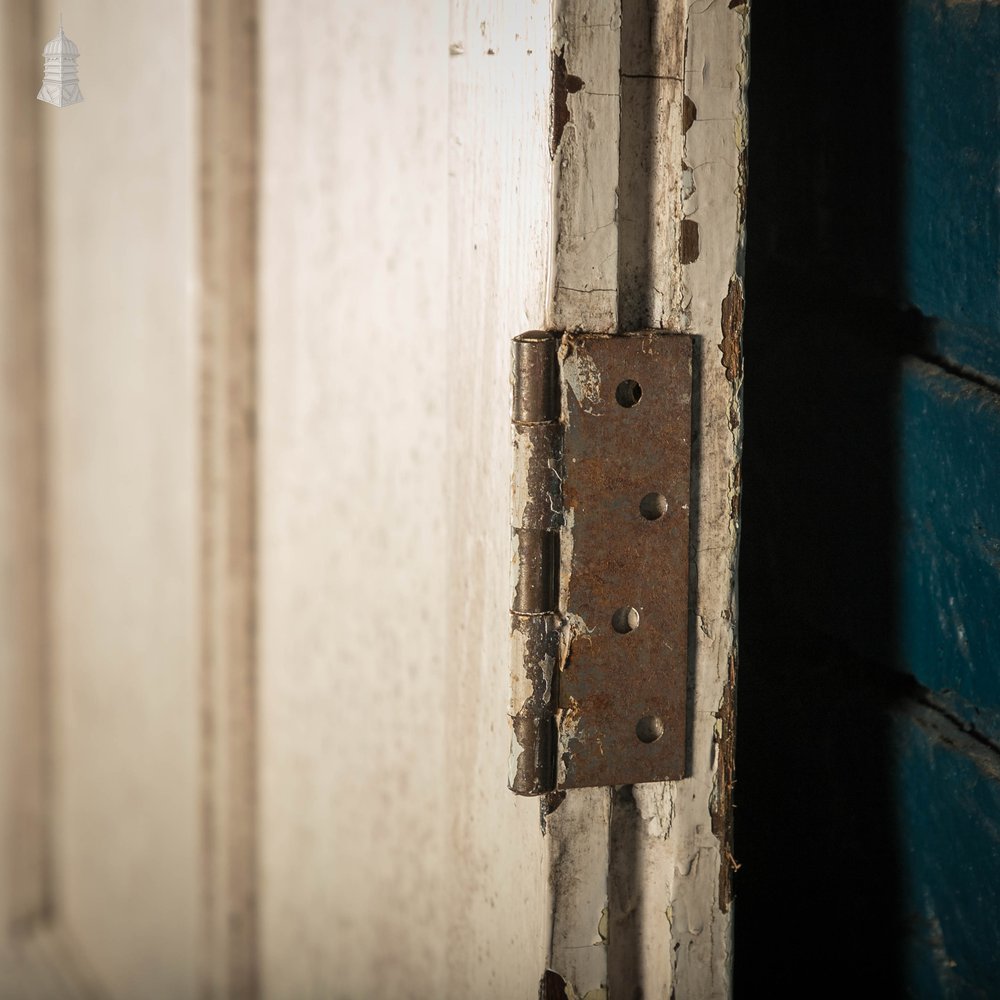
{"x":649,"y":728}
{"x":653,"y":506}
{"x":628,"y":392}
{"x":625,"y":620}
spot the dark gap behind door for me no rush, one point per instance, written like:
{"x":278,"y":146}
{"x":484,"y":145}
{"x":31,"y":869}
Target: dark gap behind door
{"x":819,"y":885}
{"x":868,"y":769}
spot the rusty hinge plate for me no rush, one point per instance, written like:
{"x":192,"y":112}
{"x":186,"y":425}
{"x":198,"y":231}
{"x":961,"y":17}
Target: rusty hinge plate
{"x":602,"y":432}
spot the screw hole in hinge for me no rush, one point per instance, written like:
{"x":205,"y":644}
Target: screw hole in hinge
{"x":625,"y":620}
{"x":653,"y":506}
{"x":649,"y":728}
{"x":628,"y":393}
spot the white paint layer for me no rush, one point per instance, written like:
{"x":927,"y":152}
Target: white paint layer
{"x":586,"y":49}
{"x":685,"y":855}
{"x":404,"y":242}
{"x":121,"y":344}
{"x":677,"y":233}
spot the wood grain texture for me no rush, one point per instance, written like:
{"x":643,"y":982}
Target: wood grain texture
{"x":948,"y":802}
{"x":950,"y":208}
{"x":122,"y":346}
{"x":400,"y":253}
{"x":949,"y":540}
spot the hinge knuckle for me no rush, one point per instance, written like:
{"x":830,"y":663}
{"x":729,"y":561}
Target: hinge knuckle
{"x":536,"y":517}
{"x":537,"y":553}
{"x":536,"y":386}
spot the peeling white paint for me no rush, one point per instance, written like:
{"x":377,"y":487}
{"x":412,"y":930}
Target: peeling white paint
{"x":583,"y":378}
{"x":657,"y":806}
{"x":524,"y":449}
{"x":584,"y":295}
{"x":684,"y":948}
{"x":689,"y":192}
{"x":571,"y":623}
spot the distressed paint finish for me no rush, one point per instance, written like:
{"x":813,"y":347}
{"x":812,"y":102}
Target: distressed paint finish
{"x":579,"y":858}
{"x":951,"y":207}
{"x":656,"y":191}
{"x":586,"y":47}
{"x":949,"y":804}
{"x":947,"y":407}
{"x":390,"y":285}
{"x":950,"y":572}
{"x":716,"y":75}
{"x":405,"y":214}
{"x":586,"y":44}
{"x":675,"y":934}
{"x":499,"y":236}
{"x":948,"y":424}
{"x":686,"y":844}
{"x":407,"y":835}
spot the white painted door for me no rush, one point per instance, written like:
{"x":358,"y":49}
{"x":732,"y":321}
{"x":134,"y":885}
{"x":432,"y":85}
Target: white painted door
{"x":256,"y":300}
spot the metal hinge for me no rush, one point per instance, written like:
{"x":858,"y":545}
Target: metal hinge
{"x":601,"y":511}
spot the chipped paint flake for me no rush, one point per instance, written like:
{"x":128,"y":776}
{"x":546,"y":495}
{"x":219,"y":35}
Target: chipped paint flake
{"x":583,"y":379}
{"x":602,"y":925}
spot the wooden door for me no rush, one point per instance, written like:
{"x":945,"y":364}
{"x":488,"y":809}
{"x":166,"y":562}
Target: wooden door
{"x":875,"y":331}
{"x":258,"y":291}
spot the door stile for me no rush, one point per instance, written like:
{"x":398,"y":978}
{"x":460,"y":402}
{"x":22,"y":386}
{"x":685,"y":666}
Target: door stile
{"x":648,"y":157}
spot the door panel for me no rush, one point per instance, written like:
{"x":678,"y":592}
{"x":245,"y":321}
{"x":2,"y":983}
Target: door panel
{"x":121,"y":343}
{"x":272,"y":674}
{"x":258,"y":488}
{"x":400,"y":252}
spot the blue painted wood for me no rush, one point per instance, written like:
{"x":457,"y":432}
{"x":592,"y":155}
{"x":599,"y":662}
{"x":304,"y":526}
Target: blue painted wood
{"x":872,"y":488}
{"x":951,"y":208}
{"x":950,"y":549}
{"x":948,"y":428}
{"x":949,"y":813}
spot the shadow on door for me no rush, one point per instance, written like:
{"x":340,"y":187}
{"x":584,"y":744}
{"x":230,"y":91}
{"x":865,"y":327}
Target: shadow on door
{"x":818,"y":894}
